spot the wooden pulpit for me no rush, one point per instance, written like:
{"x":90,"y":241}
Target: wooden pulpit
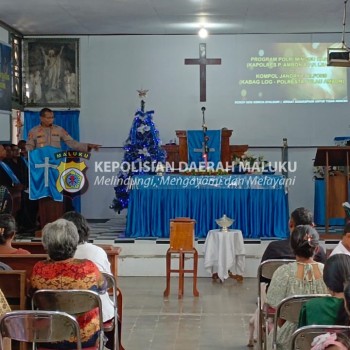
{"x":179,"y":153}
{"x":336,"y":187}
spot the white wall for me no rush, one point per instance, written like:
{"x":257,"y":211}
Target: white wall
{"x":4,"y":35}
{"x":114,"y":67}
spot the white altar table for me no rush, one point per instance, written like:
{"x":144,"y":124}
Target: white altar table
{"x":223,"y":252}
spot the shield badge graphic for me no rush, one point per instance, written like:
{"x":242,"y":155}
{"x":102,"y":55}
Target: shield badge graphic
{"x":71,"y":177}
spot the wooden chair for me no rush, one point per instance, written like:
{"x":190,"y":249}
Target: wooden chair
{"x":289,"y":309}
{"x":266,"y":269}
{"x":303,"y":337}
{"x":181,"y":243}
{"x":13,"y":286}
{"x":31,"y":326}
{"x":115,"y":324}
{"x":72,"y":301}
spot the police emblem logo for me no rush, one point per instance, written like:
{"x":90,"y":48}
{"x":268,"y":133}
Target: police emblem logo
{"x":71,"y":177}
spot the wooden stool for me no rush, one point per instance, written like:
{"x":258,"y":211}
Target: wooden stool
{"x":181,"y":243}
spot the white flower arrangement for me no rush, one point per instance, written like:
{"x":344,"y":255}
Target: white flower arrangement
{"x":250,"y":162}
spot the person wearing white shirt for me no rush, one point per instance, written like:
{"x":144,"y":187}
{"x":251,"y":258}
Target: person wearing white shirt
{"x":93,"y":253}
{"x":343,"y":247}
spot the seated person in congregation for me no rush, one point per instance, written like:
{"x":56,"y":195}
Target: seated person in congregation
{"x":329,"y":340}
{"x":5,"y":200}
{"x":7,"y":234}
{"x":281,"y":249}
{"x":329,"y":310}
{"x":343,"y":247}
{"x":11,"y":183}
{"x":304,"y":276}
{"x":62,"y":271}
{"x":97,"y":255}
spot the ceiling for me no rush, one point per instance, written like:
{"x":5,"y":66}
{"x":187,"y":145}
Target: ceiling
{"x":181,"y":17}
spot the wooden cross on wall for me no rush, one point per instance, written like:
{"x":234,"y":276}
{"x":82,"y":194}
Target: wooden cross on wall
{"x":203,"y":61}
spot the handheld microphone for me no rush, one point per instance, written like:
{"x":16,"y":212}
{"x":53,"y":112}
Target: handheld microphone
{"x":203,"y":109}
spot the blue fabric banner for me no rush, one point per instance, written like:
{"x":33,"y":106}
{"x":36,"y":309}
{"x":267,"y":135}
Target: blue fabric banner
{"x":195,"y":139}
{"x":68,"y":120}
{"x":43,"y":173}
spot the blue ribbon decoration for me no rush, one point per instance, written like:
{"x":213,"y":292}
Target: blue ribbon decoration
{"x":10,"y":173}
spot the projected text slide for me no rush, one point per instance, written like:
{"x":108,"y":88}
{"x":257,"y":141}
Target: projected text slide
{"x":289,"y":73}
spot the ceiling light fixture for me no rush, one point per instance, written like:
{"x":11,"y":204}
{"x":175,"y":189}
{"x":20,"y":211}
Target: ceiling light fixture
{"x":203,"y":33}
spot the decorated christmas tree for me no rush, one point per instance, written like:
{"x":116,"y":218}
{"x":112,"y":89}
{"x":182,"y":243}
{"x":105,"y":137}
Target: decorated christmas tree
{"x":142,"y":153}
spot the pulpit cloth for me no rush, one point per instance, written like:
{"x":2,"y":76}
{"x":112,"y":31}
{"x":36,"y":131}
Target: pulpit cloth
{"x":195,"y":139}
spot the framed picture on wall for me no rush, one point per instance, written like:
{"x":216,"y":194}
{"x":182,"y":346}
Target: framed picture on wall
{"x":51,"y":72}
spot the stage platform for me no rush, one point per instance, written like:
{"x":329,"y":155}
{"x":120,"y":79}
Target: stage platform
{"x":146,"y":256}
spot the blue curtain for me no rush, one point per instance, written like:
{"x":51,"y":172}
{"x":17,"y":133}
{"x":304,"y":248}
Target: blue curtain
{"x":68,"y":120}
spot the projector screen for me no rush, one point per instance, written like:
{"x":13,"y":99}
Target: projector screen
{"x":289,"y":73}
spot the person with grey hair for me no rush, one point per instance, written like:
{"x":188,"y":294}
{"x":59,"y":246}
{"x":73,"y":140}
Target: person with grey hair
{"x":63,"y":271}
{"x":86,"y":250}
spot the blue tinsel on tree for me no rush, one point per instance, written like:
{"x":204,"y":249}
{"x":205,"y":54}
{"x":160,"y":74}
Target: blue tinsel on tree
{"x":142,"y":147}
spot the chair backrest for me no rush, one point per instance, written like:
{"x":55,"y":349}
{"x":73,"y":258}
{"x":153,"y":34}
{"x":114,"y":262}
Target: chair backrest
{"x":182,"y":234}
{"x":303,"y":337}
{"x":72,"y":301}
{"x":13,"y":286}
{"x":266,"y":269}
{"x":289,"y":309}
{"x":111,"y":288}
{"x":39,"y":327}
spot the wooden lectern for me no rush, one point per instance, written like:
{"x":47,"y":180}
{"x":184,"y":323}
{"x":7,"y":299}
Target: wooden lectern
{"x":336,"y":187}
{"x":179,"y":153}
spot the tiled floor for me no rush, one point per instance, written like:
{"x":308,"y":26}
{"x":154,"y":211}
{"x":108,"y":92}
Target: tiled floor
{"x":216,"y":320}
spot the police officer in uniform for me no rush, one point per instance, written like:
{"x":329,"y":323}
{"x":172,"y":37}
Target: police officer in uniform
{"x":48,"y":134}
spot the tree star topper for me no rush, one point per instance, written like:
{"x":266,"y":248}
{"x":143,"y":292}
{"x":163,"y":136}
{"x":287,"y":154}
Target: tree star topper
{"x":142,"y":93}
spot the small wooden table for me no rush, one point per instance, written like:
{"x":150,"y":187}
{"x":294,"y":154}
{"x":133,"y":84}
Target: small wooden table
{"x":224,"y":252}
